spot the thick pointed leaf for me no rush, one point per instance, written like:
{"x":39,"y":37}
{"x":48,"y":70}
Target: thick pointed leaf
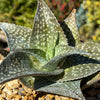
{"x":93,"y":48}
{"x":58,"y":61}
{"x":62,"y":49}
{"x":94,"y":79}
{"x":80,"y":66}
{"x":28,"y":81}
{"x":47,"y":32}
{"x":18,"y":36}
{"x":19,"y":64}
{"x":68,"y":33}
{"x":69,"y":89}
{"x":77,"y":67}
{"x":71,"y":22}
{"x":36,"y":53}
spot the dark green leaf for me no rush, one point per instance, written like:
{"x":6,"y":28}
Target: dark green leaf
{"x":93,"y":48}
{"x":60,"y":59}
{"x":19,"y":64}
{"x":18,"y":36}
{"x":90,"y":47}
{"x":77,"y":66}
{"x":38,"y":54}
{"x":69,"y":89}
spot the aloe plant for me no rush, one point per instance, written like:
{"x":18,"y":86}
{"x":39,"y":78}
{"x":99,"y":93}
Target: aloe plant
{"x":46,"y":59}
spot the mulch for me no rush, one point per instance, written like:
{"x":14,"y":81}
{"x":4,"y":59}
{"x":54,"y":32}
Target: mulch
{"x":15,"y":90}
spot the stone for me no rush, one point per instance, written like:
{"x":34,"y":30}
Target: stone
{"x":13,"y":84}
{"x":8,"y":90}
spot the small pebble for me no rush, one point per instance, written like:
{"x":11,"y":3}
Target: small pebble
{"x":20,"y":92}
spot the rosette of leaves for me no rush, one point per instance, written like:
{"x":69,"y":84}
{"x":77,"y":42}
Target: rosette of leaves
{"x":46,"y":59}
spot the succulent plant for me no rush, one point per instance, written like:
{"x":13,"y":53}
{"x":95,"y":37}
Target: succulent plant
{"x":49,"y":57}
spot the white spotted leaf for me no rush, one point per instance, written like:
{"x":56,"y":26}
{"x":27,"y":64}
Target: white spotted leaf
{"x":47,"y":32}
{"x":69,"y":89}
{"x":18,"y":36}
{"x":58,"y":60}
{"x":72,"y":29}
{"x":77,"y":66}
{"x":93,"y":48}
{"x":18,"y":65}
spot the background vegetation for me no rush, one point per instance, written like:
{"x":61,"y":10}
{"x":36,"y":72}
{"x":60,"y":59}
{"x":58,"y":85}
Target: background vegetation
{"x":91,"y":28}
{"x":22,"y":12}
{"x":18,"y":11}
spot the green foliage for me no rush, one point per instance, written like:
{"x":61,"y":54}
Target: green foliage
{"x":18,"y":11}
{"x":57,"y":61}
{"x":62,"y":8}
{"x":92,"y":26}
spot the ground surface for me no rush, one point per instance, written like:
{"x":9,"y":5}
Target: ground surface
{"x":15,"y":90}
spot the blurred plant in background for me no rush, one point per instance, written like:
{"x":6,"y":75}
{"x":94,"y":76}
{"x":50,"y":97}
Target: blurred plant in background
{"x":91,"y":29}
{"x":61,"y":8}
{"x":18,"y":11}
